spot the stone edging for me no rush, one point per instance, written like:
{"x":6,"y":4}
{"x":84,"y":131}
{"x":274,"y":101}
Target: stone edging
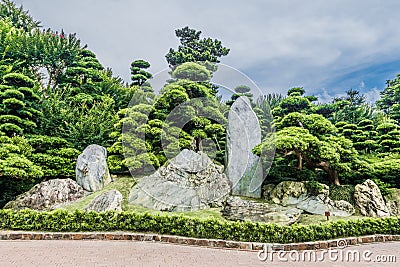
{"x":210,"y":243}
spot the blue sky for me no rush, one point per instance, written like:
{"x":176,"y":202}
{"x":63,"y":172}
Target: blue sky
{"x":326,"y":46}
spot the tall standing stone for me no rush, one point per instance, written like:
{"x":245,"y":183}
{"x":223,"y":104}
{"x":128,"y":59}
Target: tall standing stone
{"x":91,"y":168}
{"x":369,"y":200}
{"x":244,"y":169}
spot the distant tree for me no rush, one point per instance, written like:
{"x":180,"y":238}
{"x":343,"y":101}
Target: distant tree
{"x":295,"y":103}
{"x":18,"y":16}
{"x":389,"y":137}
{"x":390,"y":98}
{"x":139,"y":73}
{"x":351,"y":108}
{"x":193,"y":48}
{"x":296,"y":91}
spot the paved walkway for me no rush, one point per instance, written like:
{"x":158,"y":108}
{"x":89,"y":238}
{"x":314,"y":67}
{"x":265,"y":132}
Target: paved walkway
{"x":136,"y":253}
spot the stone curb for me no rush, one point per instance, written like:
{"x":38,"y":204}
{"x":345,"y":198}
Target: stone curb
{"x":210,"y":243}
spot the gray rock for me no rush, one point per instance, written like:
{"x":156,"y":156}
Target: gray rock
{"x":369,"y":200}
{"x":244,"y":169}
{"x":108,"y":201}
{"x":189,"y":182}
{"x":47,"y":195}
{"x":296,"y":194}
{"x":266,"y":190}
{"x":346,"y":207}
{"x":287,"y":192}
{"x":240,"y":209}
{"x":393,"y":201}
{"x":91,"y":168}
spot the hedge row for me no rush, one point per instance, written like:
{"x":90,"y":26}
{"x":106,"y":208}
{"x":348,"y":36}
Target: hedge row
{"x":192,"y":227}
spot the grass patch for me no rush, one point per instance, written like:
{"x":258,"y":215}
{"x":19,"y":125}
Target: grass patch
{"x":124,"y":184}
{"x":306,"y":219}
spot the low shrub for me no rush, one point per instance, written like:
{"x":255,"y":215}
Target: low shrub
{"x":61,"y":220}
{"x":342,"y":192}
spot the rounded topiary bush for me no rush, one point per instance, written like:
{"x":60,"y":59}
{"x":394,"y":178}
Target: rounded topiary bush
{"x":18,"y":80}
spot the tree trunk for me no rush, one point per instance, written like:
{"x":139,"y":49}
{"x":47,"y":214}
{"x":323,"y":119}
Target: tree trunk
{"x":333,"y":176}
{"x":326,"y":166}
{"x":299,"y":161}
{"x":199,"y":144}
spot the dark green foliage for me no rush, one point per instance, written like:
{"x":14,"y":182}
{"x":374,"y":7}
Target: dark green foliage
{"x":78,"y":122}
{"x":18,"y":105}
{"x":55,"y":156}
{"x":17,"y":16}
{"x":17,"y":171}
{"x":313,"y":187}
{"x":191,"y":71}
{"x":241,"y":90}
{"x":77,"y":221}
{"x":390,"y":98}
{"x":139,"y":75}
{"x":194,"y":49}
{"x":294,"y":103}
{"x":342,"y":192}
{"x":296,"y":91}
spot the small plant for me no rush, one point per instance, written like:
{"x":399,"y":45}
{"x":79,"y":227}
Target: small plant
{"x":314,"y":188}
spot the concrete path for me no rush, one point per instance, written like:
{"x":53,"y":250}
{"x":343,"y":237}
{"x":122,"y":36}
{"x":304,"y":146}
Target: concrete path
{"x":135,"y":253}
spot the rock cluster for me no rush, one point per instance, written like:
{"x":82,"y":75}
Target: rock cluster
{"x":239,"y":209}
{"x":46,"y":195}
{"x":91,"y":168}
{"x":296,"y":194}
{"x":108,"y":201}
{"x":189,"y":182}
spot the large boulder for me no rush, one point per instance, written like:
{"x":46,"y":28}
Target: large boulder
{"x":244,"y":169}
{"x":91,"y":168}
{"x":286,"y":193}
{"x":309,"y":199}
{"x":108,"y":201}
{"x":393,"y":201}
{"x":189,"y":182}
{"x":241,"y":209}
{"x":369,"y":200}
{"x":48,"y":194}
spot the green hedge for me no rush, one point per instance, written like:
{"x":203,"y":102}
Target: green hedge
{"x":192,"y":227}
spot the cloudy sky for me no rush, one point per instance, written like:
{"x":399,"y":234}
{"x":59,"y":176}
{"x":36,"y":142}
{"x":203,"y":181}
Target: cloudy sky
{"x":327,"y":47}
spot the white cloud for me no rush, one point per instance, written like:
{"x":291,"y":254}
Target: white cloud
{"x":372,"y":95}
{"x":278,"y":44}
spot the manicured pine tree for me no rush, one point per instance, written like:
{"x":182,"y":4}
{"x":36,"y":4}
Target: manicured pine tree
{"x":18,"y":105}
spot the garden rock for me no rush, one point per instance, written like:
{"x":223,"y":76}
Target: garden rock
{"x":46,"y":195}
{"x":91,"y":168}
{"x":315,"y":201}
{"x":240,"y":209}
{"x":108,"y":201}
{"x":244,"y":169}
{"x":189,"y":182}
{"x":369,"y":200}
